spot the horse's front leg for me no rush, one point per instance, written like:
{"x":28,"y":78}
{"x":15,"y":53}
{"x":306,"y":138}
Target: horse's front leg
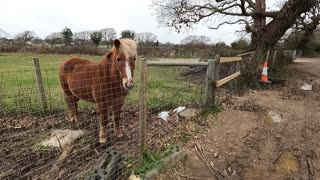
{"x":72,"y":103}
{"x":116,"y":120}
{"x":103,"y":121}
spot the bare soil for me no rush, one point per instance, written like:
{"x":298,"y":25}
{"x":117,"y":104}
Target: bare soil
{"x":243,"y":143}
{"x":21,"y":158}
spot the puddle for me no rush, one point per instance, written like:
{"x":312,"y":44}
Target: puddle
{"x":287,"y":163}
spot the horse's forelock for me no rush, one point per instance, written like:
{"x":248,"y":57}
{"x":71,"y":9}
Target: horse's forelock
{"x":128,"y":47}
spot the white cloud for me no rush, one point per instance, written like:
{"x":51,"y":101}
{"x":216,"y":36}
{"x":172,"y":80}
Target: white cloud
{"x":45,"y":17}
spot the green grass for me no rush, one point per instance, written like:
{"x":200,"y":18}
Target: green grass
{"x":166,"y":89}
{"x":153,"y":160}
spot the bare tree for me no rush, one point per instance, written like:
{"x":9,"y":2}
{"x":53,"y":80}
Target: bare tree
{"x":195,"y":39}
{"x":54,"y":38}
{"x":82,"y":37}
{"x":307,"y":23}
{"x":108,"y":34}
{"x":146,"y":38}
{"x":266,"y":25}
{"x":253,"y":14}
{"x":26,"y":36}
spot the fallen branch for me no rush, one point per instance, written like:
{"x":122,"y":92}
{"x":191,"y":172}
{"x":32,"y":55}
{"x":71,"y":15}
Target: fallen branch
{"x":97,"y":153}
{"x":59,"y":162}
{"x":189,"y":177}
{"x":229,"y":154}
{"x":59,"y":143}
{"x":200,"y":152}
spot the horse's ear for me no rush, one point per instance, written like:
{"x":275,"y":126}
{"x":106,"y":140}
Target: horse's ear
{"x":109,"y":54}
{"x":116,"y":43}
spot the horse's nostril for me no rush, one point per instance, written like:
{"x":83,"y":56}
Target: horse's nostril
{"x":129,"y":86}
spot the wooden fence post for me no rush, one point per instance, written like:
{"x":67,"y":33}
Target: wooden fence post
{"x":40,"y":86}
{"x":212,"y":77}
{"x":209,"y":99}
{"x":274,"y":58}
{"x":216,"y":76}
{"x":143,"y":106}
{"x":268,"y":55}
{"x":237,"y":70}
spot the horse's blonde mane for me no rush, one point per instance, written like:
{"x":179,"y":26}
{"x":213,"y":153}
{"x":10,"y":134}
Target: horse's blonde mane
{"x":128,"y":47}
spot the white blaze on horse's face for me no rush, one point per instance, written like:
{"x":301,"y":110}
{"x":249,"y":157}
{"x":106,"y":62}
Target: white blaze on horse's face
{"x":127,"y":81}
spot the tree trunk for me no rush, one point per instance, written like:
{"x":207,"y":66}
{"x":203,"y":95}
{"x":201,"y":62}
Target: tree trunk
{"x":265,"y":36}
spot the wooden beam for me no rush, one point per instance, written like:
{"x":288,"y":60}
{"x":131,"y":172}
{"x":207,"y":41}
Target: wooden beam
{"x":229,"y":59}
{"x":227,"y":79}
{"x":209,"y":95}
{"x":143,"y":106}
{"x":175,"y":63}
{"x":268,"y":55}
{"x":40,"y":85}
{"x":245,"y":54}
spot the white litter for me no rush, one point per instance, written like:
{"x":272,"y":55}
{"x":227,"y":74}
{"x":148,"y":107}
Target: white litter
{"x":61,"y":138}
{"x":306,"y":87}
{"x":179,"y":109}
{"x":276,"y":118}
{"x":164,"y":115}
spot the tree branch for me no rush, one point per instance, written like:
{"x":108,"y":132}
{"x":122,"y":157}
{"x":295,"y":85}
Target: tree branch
{"x":227,"y":22}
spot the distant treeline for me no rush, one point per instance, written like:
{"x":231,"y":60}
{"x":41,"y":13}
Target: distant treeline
{"x":162,"y":50}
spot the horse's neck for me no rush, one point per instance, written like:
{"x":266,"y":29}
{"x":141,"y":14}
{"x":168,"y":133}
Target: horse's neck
{"x":108,"y":68}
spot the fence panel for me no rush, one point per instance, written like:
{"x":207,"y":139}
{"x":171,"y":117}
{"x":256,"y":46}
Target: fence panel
{"x":24,"y":125}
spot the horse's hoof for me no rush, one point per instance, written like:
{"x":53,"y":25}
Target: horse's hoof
{"x":78,"y":126}
{"x":102,"y":141}
{"x":119,"y":136}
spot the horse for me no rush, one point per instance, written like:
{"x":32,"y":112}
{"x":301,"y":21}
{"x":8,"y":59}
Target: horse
{"x":105,"y":83}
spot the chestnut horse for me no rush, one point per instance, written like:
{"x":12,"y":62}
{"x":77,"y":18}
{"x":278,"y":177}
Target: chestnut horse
{"x":105,"y":83}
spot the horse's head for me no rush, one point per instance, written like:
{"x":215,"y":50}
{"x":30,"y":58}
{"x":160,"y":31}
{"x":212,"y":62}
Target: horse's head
{"x":124,"y":57}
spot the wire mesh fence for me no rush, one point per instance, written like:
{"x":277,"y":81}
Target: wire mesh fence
{"x":168,"y":88}
{"x":25,"y":124}
{"x":47,"y":134}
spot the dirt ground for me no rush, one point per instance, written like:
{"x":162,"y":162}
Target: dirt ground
{"x":242,"y":141}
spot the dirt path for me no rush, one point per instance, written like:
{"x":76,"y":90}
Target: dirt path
{"x":244,"y":143}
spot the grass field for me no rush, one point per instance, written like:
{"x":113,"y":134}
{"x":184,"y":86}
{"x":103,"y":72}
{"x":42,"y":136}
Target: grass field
{"x":166,"y":87}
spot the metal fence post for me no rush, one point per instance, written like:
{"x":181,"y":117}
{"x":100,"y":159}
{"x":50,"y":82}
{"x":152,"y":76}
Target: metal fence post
{"x":40,"y":86}
{"x":143,"y":106}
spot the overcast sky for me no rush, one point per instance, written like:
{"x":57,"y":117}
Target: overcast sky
{"x":44,"y":17}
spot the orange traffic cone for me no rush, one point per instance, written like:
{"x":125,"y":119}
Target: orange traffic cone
{"x":264,"y":75}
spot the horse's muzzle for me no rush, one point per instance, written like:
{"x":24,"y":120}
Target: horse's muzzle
{"x":129,"y":85}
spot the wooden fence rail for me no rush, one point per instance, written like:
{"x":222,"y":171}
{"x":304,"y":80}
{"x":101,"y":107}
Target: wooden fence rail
{"x":212,"y":83}
{"x":175,"y":63}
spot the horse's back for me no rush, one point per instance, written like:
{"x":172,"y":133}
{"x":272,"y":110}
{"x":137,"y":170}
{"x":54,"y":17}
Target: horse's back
{"x":69,"y":64}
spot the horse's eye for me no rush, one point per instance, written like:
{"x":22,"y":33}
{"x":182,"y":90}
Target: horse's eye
{"x":118,"y":59}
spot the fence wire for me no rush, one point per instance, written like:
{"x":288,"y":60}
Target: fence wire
{"x":170,"y":87}
{"x":24,"y":125}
